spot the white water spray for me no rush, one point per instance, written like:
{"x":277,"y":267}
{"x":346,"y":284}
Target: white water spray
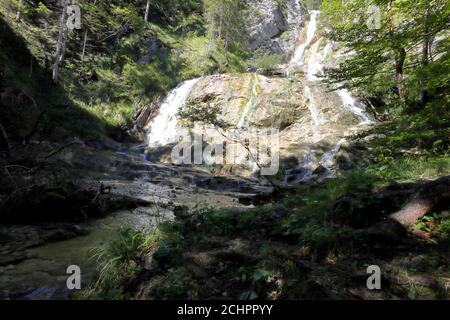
{"x":355,"y":107}
{"x":163,"y":128}
{"x":310,"y":33}
{"x":316,"y":63}
{"x":316,"y":116}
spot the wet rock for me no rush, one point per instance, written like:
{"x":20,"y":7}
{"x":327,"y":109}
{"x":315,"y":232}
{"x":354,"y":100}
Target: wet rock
{"x":345,"y":159}
{"x":161,"y":154}
{"x":64,"y":203}
{"x":281,"y":104}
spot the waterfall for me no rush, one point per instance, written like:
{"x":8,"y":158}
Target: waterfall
{"x":313,"y":91}
{"x":328,"y":159}
{"x":297,"y":59}
{"x":316,"y":63}
{"x":310,"y":33}
{"x":302,"y":172}
{"x":316,"y":116}
{"x":163,"y":128}
{"x":355,"y":107}
{"x":306,"y":167}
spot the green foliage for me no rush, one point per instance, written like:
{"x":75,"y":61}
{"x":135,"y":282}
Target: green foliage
{"x":225,"y":21}
{"x":373,"y":62}
{"x":445,"y":226}
{"x":177,"y":284}
{"x":311,"y":218}
{"x":411,"y":168}
{"x":116,"y":63}
{"x":267,"y":62}
{"x":117,"y":259}
{"x":413,"y":146}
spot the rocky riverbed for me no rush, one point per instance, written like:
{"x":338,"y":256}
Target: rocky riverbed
{"x":35,"y":253}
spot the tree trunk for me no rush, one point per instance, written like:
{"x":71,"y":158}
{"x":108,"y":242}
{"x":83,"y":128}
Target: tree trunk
{"x":379,"y":117}
{"x":83,"y":51}
{"x":423,"y":92}
{"x":425,"y":60}
{"x":147,"y":11}
{"x":60,"y":45}
{"x":399,"y":63}
{"x":400,"y":53}
{"x":424,"y":200}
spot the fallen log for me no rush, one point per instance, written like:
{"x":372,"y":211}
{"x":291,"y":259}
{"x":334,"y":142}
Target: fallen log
{"x":421,"y":202}
{"x":424,"y":198}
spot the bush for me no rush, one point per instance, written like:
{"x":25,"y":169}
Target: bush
{"x":268,"y":62}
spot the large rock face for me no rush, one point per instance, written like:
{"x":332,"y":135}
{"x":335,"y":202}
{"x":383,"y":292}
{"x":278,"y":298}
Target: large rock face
{"x":312,"y":122}
{"x":278,"y":103}
{"x":311,"y":138}
{"x":274,"y":25}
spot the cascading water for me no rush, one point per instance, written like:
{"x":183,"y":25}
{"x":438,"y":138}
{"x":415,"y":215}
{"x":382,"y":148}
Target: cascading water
{"x":310,"y":33}
{"x":308,"y":58}
{"x":353,"y":105}
{"x":316,"y":63}
{"x":305,"y":168}
{"x":302,"y":172}
{"x":312,"y":67}
{"x":163,"y":128}
{"x":328,"y":159}
{"x":316,"y":116}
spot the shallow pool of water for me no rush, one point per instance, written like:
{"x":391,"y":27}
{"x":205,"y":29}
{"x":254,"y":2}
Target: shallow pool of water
{"x":43,"y":275}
